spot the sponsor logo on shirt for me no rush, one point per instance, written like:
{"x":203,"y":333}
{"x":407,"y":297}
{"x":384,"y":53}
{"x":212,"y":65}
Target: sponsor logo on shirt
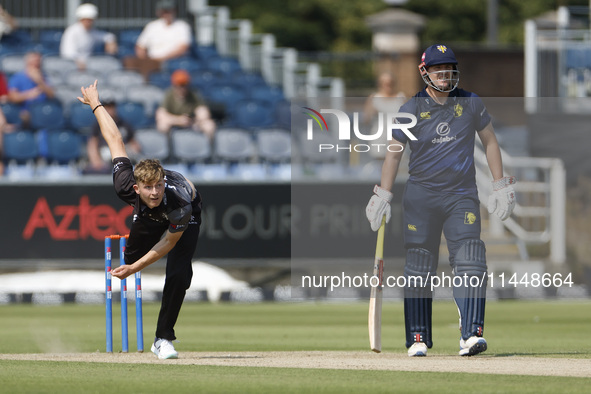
{"x":443,"y":130}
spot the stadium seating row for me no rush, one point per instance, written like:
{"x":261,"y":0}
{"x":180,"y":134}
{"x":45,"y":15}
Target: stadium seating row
{"x":48,"y":43}
{"x":65,"y":146}
{"x":138,"y":111}
{"x":58,"y":128}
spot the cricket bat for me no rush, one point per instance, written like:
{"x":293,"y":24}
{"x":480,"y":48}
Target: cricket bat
{"x":375,"y":300}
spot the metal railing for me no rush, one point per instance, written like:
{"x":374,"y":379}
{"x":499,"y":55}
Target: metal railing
{"x":258,"y":53}
{"x":539,"y":216}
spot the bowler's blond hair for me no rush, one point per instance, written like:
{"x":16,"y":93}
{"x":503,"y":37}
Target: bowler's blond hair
{"x":148,"y":171}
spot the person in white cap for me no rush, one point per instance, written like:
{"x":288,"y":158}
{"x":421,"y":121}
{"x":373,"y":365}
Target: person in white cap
{"x":79,"y":39}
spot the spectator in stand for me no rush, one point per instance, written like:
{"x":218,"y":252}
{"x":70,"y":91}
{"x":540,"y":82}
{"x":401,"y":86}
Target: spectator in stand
{"x":162,"y":39}
{"x":183,"y":108}
{"x":5,"y":127}
{"x":386,"y":99}
{"x":79,"y":39}
{"x":3,"y":88}
{"x":99,"y":156}
{"x":29,"y":86}
{"x":7,"y":22}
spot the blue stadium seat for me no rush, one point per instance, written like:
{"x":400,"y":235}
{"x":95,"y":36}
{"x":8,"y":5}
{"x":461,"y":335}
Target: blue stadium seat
{"x":21,"y":35}
{"x":55,"y":79}
{"x":202,"y":80}
{"x":124,"y":79}
{"x":67,"y":95}
{"x":11,"y":113}
{"x":98,"y":49}
{"x":17,"y":37}
{"x":247,"y":79}
{"x":203,"y":52}
{"x":227,"y":94}
{"x":11,"y":64}
{"x":47,"y":114}
{"x":55,"y":63}
{"x":183,"y":63}
{"x":64,"y":146}
{"x":153,"y":143}
{"x":51,"y":38}
{"x":274,"y":145}
{"x":283,"y":114}
{"x":160,"y":79}
{"x":309,"y":149}
{"x":44,"y":50}
{"x":253,"y":114}
{"x":149,"y":95}
{"x":9,"y":50}
{"x":125,"y":50}
{"x":233,"y":145}
{"x":19,"y":41}
{"x":129,"y":36}
{"x":224,"y":65}
{"x":20,"y":146}
{"x":103,"y":64}
{"x":81,"y":117}
{"x":112,"y":93}
{"x":80,"y":78}
{"x":133,"y":113}
{"x":266,"y":92}
{"x":189,"y":146}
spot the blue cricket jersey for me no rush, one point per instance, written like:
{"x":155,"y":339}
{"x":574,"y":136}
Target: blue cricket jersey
{"x":442,"y":158}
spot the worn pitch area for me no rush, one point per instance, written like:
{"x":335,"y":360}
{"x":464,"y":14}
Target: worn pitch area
{"x":504,"y":365}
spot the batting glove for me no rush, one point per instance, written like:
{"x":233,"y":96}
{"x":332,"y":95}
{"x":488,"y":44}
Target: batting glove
{"x":378,"y":206}
{"x":502,"y":201}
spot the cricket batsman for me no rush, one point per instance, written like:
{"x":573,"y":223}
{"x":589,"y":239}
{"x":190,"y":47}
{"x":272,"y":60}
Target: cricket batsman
{"x":441,"y":196}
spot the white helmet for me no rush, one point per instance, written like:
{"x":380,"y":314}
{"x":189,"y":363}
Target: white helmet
{"x":86,"y":11}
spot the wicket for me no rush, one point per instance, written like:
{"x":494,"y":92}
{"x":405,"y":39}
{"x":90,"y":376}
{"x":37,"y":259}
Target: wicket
{"x":109,"y":299}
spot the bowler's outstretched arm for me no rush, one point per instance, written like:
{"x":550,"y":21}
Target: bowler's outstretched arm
{"x":109,"y":129}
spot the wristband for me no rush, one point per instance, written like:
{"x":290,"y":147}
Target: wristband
{"x":100,"y":105}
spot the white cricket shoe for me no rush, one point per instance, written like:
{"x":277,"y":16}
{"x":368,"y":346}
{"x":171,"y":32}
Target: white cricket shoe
{"x":164,"y":349}
{"x":472,"y":346}
{"x":418,"y":349}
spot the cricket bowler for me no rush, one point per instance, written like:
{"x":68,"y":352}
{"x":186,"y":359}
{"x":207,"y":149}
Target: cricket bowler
{"x":166,"y":222}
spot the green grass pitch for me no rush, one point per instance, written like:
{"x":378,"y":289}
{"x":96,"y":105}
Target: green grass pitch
{"x":555,"y":329}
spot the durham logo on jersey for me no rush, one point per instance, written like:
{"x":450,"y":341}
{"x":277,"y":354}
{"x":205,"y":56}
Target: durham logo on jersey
{"x":441,"y":48}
